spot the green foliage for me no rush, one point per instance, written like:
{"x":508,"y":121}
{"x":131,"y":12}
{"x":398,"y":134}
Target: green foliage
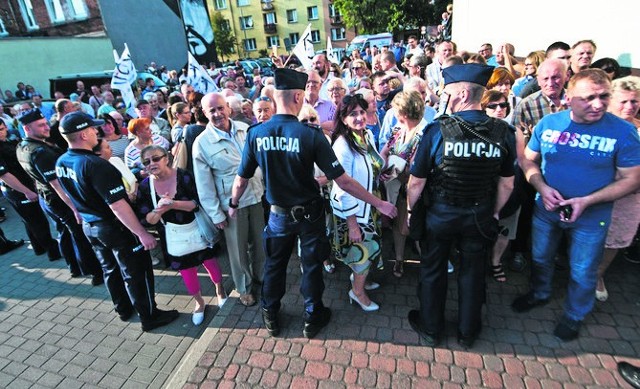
{"x":263,"y":53}
{"x":374,"y":16}
{"x":224,"y":38}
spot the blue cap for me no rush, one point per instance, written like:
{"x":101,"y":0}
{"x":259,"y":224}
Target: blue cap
{"x":30,"y":116}
{"x":288,"y":79}
{"x":470,"y":72}
{"x":77,"y":121}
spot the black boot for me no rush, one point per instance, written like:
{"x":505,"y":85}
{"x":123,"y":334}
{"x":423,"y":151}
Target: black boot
{"x":7,"y":245}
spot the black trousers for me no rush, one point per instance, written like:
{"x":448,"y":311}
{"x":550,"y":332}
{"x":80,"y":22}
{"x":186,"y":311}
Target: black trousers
{"x":128,"y":273}
{"x":279,"y":240}
{"x":74,"y":246}
{"x":474,"y":229}
{"x":35,"y":222}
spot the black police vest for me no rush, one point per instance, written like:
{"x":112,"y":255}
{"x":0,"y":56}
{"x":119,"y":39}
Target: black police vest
{"x":25,"y":152}
{"x":471,"y":159}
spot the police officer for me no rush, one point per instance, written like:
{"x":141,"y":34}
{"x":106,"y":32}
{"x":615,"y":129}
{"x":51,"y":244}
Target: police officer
{"x":466,"y":161}
{"x":95,"y":188}
{"x":18,"y":188}
{"x":38,"y":158}
{"x":286,"y":151}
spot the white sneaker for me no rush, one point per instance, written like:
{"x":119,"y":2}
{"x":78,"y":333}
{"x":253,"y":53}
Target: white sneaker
{"x":197,"y":318}
{"x":450,"y":268}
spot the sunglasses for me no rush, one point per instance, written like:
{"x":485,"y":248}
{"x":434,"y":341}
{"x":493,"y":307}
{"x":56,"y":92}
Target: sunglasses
{"x":357,"y":67}
{"x":347,"y":99}
{"x":155,"y":158}
{"x":263,"y":98}
{"x":496,"y":105}
{"x":311,"y":119}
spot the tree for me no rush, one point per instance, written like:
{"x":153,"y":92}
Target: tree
{"x":374,"y":16}
{"x":224,"y":38}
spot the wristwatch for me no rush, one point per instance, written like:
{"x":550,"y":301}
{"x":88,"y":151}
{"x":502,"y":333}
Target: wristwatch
{"x":232,"y":205}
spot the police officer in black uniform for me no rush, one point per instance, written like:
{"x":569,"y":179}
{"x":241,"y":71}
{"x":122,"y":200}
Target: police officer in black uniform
{"x":286,"y":151}
{"x":465,"y":165}
{"x":95,"y":187}
{"x":38,"y":158}
{"x":18,"y":188}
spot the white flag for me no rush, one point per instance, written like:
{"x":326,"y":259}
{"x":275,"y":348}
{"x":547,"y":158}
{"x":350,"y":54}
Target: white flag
{"x":123,"y":76}
{"x":331,"y":56}
{"x":304,"y":48}
{"x":199,"y":78}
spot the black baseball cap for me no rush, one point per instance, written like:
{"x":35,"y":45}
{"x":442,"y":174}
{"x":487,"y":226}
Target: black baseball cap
{"x":77,"y":121}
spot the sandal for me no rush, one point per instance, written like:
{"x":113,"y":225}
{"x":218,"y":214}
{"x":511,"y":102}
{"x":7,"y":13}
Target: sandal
{"x":498,"y":273}
{"x":398,"y":269}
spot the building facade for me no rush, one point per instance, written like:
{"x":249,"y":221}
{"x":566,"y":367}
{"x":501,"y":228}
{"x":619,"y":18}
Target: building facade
{"x":261,"y":25}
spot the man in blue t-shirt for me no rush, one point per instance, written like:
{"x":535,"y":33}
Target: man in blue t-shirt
{"x":579,"y":161}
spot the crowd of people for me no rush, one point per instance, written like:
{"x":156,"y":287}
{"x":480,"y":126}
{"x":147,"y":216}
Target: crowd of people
{"x":456,"y":155}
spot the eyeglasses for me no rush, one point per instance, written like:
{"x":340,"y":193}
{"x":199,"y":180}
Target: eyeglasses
{"x":311,"y":119}
{"x":155,"y":158}
{"x":504,"y":105}
{"x":348,"y":98}
{"x":335,"y":90}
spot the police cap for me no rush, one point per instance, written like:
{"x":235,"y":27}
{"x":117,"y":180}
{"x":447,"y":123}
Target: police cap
{"x":470,"y":72}
{"x":288,"y":79}
{"x":77,"y":121}
{"x":30,"y":116}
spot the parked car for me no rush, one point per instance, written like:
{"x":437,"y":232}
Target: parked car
{"x":66,"y":83}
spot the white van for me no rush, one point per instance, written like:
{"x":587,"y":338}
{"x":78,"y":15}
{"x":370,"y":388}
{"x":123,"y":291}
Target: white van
{"x":361,"y":42}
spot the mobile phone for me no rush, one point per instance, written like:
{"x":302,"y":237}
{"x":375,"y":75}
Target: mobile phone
{"x":566,"y":211}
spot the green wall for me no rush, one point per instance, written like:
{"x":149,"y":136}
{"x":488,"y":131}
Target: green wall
{"x":35,"y":60}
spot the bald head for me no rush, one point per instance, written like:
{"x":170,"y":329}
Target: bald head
{"x":217,"y":110}
{"x":552,"y":74}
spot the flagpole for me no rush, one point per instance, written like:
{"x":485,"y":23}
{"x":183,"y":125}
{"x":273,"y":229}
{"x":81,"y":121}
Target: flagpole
{"x":287,"y":61}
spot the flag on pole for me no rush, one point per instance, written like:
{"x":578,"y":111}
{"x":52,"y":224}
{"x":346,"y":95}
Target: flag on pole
{"x":199,"y":78}
{"x":331,"y":56}
{"x":304,"y":48}
{"x":124,"y":75}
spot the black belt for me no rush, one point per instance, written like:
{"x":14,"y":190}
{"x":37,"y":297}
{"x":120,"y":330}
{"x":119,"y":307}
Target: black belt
{"x":297,"y":212}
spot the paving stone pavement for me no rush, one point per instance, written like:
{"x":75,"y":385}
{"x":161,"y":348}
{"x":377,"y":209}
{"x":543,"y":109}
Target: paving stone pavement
{"x":61,"y":332}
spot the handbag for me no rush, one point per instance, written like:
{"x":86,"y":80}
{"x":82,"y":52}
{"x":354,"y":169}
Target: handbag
{"x":208,"y":229}
{"x":181,"y":239}
{"x":180,"y":153}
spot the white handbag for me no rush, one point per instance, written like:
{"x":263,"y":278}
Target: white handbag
{"x":181,"y":239}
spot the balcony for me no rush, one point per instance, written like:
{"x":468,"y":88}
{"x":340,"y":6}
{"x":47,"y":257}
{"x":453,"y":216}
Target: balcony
{"x":336,"y":20}
{"x":271,"y":28}
{"x":267,"y":5}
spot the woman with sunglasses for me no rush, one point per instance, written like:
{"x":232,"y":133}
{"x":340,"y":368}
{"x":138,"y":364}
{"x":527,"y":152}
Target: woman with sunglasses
{"x":358,"y":71}
{"x":356,"y":238}
{"x":502,"y":80}
{"x":143,"y":137}
{"x":110,"y":132}
{"x":409,"y":110}
{"x":176,"y":200}
{"x":309,"y":115}
{"x":496,"y":106}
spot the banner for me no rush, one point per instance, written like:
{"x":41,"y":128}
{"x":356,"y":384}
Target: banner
{"x":304,"y":48}
{"x":124,"y":75}
{"x":199,"y":78}
{"x":331,"y":56}
{"x":197,"y":25}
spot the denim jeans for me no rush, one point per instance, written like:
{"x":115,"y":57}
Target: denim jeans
{"x":586,"y":245}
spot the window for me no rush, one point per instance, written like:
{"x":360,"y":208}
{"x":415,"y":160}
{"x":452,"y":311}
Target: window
{"x":3,"y":31}
{"x":315,"y":36}
{"x":273,"y":41}
{"x":27,"y":14}
{"x":242,"y":3}
{"x":270,"y":18}
{"x":225,"y":25}
{"x":61,"y":11}
{"x":337,"y":34}
{"x":292,"y":16}
{"x":333,"y":12}
{"x":294,"y":37}
{"x":312,"y":13}
{"x":246,"y":22}
{"x":249,"y":44}
{"x":221,"y":4}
